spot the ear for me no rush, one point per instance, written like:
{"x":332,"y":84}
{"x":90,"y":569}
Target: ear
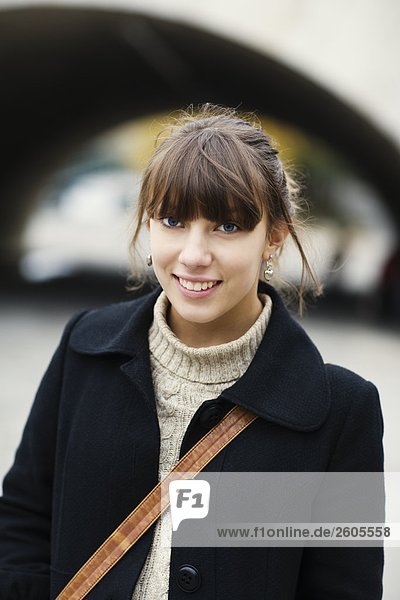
{"x":275,"y":240}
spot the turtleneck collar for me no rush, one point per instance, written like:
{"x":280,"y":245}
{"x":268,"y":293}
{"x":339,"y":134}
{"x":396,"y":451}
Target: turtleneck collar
{"x":222,"y":363}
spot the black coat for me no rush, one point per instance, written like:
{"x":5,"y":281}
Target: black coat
{"x":90,"y":452}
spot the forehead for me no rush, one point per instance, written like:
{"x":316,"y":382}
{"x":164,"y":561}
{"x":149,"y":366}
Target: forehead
{"x":214,"y":180}
{"x":199,"y":197}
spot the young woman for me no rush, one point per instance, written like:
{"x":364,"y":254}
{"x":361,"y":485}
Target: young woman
{"x":133,"y":386}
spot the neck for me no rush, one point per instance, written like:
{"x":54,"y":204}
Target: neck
{"x":203,"y":335}
{"x":208,"y":365}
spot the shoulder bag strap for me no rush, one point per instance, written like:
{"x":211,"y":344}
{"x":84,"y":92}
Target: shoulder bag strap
{"x":154,"y":504}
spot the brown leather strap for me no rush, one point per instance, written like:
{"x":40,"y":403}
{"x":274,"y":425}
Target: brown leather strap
{"x":155,"y":503}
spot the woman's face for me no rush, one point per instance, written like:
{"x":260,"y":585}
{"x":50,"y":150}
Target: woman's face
{"x":209,"y":271}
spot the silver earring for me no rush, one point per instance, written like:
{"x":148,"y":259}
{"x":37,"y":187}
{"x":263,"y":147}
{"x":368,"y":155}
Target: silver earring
{"x":149,"y":260}
{"x":269,"y":270}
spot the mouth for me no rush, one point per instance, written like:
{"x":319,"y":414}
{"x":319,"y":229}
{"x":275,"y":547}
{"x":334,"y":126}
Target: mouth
{"x":194,"y":288}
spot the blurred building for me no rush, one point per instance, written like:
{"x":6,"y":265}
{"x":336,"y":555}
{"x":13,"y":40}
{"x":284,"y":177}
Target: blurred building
{"x":72,"y":71}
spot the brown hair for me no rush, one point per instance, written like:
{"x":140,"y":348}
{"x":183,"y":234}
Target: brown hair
{"x":217,"y":164}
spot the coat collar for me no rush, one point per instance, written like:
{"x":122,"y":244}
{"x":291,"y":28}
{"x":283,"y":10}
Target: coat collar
{"x":286,"y":383}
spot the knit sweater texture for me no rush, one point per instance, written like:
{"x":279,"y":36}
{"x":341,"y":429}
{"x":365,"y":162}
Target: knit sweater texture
{"x":183,"y":378}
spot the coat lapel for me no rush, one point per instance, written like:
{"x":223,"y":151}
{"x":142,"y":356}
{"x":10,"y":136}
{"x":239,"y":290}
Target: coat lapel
{"x":286,"y":382}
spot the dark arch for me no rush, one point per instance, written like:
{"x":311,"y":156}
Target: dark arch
{"x":69,"y":73}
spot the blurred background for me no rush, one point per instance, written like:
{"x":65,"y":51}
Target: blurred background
{"x":86,"y":87}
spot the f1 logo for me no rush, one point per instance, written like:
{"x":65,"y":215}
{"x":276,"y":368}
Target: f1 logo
{"x":189,"y":499}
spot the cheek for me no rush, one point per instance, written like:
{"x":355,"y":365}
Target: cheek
{"x":246,"y":259}
{"x":161,"y":249}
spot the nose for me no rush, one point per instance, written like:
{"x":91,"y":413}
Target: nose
{"x":195,"y":251}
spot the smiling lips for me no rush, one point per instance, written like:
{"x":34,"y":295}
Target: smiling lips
{"x":196,"y":286}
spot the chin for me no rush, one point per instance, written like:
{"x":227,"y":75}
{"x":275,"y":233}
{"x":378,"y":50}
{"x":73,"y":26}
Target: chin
{"x":195,"y":315}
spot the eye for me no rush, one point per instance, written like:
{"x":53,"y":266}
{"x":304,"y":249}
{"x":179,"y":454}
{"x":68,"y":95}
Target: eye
{"x":170,"y":222}
{"x":228,"y":228}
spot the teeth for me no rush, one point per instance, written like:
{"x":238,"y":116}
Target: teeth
{"x":197,"y":286}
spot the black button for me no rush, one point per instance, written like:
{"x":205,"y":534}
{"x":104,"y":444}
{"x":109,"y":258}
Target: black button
{"x":188,"y":578}
{"x":211,"y":415}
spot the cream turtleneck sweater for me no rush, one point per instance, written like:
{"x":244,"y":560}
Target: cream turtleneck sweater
{"x":184,"y":378}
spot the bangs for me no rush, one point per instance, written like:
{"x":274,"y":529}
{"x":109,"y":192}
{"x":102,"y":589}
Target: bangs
{"x":207,"y":176}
